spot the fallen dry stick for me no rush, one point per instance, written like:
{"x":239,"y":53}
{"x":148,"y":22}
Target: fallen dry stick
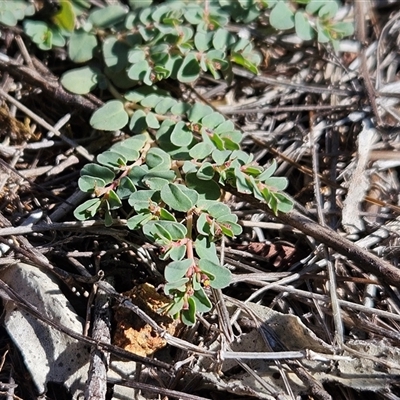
{"x":364,"y":259}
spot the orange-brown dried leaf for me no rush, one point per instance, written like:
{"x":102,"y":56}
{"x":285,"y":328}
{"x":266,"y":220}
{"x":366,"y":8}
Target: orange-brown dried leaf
{"x":132,"y":334}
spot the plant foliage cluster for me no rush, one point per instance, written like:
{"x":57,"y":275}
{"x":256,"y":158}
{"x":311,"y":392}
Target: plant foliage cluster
{"x":172,"y":171}
{"x":173,"y":183}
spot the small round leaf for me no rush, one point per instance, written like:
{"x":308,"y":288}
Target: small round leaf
{"x":99,"y":171}
{"x":81,"y":46}
{"x":138,"y":123}
{"x":81,"y":80}
{"x":177,"y":269}
{"x":87,"y":210}
{"x":111,"y":159}
{"x":189,"y":71}
{"x":303,"y":27}
{"x":181,"y":135}
{"x":110,"y":117}
{"x":220,"y":276}
{"x":108,"y":16}
{"x":89,"y":183}
{"x":201,"y":150}
{"x":281,"y":16}
{"x":179,"y":199}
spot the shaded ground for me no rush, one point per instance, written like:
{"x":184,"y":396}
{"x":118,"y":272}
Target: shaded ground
{"x":332,"y":124}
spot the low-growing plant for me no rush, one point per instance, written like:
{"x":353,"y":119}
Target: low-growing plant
{"x":173,"y":181}
{"x":173,"y":170}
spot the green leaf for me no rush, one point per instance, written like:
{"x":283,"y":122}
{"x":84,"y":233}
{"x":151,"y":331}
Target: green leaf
{"x":245,"y":63}
{"x":12,"y":11}
{"x":230,"y":229}
{"x":135,"y":55}
{"x":212,"y":120}
{"x":40,"y":33}
{"x":285,"y":204}
{"x":276,"y":183}
{"x":120,"y":79}
{"x":151,"y":100}
{"x":145,"y":15}
{"x":152,"y":121}
{"x":220,"y":156}
{"x":241,"y":182}
{"x":218,"y":210}
{"x":273,"y":203}
{"x":201,"y":150}
{"x":95,"y":170}
{"x":81,"y":46}
{"x":154,"y":183}
{"x":328,"y":10}
{"x":181,"y":135}
{"x":202,"y":40}
{"x":138,"y":122}
{"x":223,"y":39}
{"x":252,"y":170}
{"x":189,"y":71}
{"x":206,"y":248}
{"x":194,"y":14}
{"x":188,"y":167}
{"x":227,"y":143}
{"x":180,"y":108}
{"x":137,"y":4}
{"x":324,"y":36}
{"x":203,"y":225}
{"x":268,"y":172}
{"x":281,"y":16}
{"x":313,"y":6}
{"x":220,"y":276}
{"x":89,"y":183}
{"x":113,"y":200}
{"x":177,"y":252}
{"x":110,"y":117}
{"x":198,"y":111}
{"x":129,"y":154}
{"x":169,"y":288}
{"x":87,"y":210}
{"x":80,"y":80}
{"x":111,"y":159}
{"x":176,"y":270}
{"x":138,"y":71}
{"x":165,"y":105}
{"x":108,"y":221}
{"x":175,"y":196}
{"x":108,"y":16}
{"x":65,"y":17}
{"x":137,"y":173}
{"x":166,"y":215}
{"x":303,"y":27}
{"x":206,"y":190}
{"x":343,"y":29}
{"x":137,"y":221}
{"x":157,"y":232}
{"x":157,"y":158}
{"x":203,"y":303}
{"x":188,"y":315}
{"x":8,"y":18}
{"x":161,"y":173}
{"x":206,"y":172}
{"x":115,"y":53}
{"x":125,"y":188}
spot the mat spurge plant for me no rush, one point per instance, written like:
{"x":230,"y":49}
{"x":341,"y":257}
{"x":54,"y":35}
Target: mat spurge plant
{"x":175,"y":195}
{"x":171,"y":171}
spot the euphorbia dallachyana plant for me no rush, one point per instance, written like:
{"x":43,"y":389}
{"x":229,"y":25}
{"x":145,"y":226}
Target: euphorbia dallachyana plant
{"x":171,"y":171}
